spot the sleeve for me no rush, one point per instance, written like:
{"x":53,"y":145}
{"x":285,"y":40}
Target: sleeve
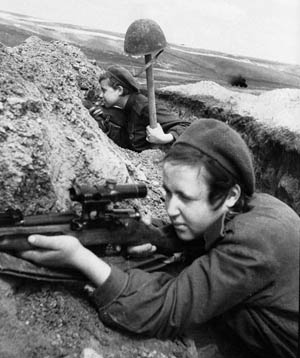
{"x":169,"y":121}
{"x":163,"y":306}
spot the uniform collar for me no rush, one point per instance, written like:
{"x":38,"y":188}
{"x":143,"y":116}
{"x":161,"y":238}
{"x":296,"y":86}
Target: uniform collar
{"x":129,"y":103}
{"x":215,"y":232}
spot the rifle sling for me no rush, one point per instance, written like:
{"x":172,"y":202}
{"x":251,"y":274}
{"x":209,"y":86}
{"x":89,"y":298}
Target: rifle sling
{"x":14,"y":266}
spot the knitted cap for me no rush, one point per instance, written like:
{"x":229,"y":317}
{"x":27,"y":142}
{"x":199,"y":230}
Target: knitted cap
{"x":220,"y":142}
{"x":123,"y":76}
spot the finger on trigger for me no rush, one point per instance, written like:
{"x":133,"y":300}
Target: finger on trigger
{"x":145,"y":248}
{"x":118,"y":248}
{"x":146,"y":219}
{"x":153,"y":248}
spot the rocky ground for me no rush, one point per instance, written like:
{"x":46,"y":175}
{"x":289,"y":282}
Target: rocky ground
{"x":48,"y":139}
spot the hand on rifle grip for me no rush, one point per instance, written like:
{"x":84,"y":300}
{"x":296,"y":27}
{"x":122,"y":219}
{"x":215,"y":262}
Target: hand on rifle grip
{"x":142,"y":250}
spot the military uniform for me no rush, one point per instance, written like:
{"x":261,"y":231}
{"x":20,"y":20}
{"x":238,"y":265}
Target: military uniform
{"x":113,"y":122}
{"x":136,"y":112}
{"x":137,"y":119}
{"x":248,"y":278}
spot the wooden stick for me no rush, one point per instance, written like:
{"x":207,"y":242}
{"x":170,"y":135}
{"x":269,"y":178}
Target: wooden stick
{"x":151,"y":93}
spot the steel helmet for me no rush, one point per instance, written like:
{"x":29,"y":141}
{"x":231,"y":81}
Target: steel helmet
{"x":144,"y":37}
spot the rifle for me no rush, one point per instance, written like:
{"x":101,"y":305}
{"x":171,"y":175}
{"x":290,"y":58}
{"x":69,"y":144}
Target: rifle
{"x":100,"y":221}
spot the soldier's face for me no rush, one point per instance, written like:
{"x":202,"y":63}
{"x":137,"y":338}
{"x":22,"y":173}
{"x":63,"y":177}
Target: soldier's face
{"x":187,"y":201}
{"x":111,"y":96}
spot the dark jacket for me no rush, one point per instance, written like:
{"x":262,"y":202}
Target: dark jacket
{"x":248,"y":277}
{"x":114,"y":124}
{"x":137,"y":114}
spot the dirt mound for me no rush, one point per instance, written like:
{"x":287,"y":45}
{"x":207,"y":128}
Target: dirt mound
{"x":48,"y":137}
{"x":47,"y":140}
{"x":276,"y":108}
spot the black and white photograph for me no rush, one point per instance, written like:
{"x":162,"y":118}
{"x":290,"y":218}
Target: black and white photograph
{"x":149,"y":179}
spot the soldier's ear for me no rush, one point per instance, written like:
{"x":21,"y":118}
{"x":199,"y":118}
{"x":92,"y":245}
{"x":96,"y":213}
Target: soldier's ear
{"x":120,"y":90}
{"x":233,"y":196}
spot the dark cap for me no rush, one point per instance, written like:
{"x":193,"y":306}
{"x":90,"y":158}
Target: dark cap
{"x":222,"y":143}
{"x":124,"y":77}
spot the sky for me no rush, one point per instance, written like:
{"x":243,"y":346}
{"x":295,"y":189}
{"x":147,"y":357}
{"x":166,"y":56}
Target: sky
{"x":267,"y":29}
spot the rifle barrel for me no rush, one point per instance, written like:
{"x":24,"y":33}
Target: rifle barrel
{"x":49,"y":219}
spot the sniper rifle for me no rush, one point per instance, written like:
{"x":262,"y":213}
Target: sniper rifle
{"x":100,"y":221}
